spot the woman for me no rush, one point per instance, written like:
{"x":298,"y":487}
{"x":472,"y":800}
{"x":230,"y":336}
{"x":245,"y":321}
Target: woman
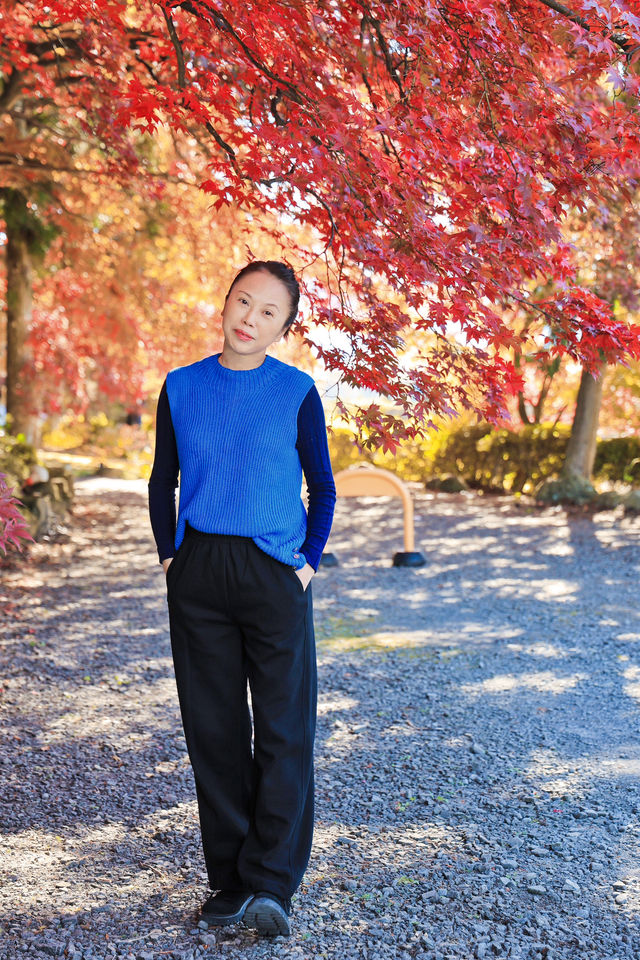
{"x":240,"y":427}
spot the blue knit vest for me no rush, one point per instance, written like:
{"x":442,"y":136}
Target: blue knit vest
{"x":240,"y":472}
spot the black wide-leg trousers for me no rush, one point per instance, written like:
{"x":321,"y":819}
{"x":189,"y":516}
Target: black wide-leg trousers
{"x":237,"y":615}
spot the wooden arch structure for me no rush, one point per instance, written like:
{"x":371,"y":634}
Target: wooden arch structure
{"x":364,"y":480}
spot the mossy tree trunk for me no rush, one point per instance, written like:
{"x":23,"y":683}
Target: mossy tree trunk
{"x":574,"y":483}
{"x":20,"y":394}
{"x":581,"y":451}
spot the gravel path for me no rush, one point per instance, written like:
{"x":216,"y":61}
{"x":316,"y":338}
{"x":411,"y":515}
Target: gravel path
{"x":478,"y":760}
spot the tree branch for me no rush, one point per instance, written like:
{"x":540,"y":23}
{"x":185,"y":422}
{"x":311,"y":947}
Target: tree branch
{"x":618,"y":38}
{"x":273,"y":106}
{"x":177,"y":46}
{"x":199,"y":7}
{"x":228,"y":149}
{"x":330,"y":215}
{"x":367,"y":84}
{"x":11,"y":90}
{"x":393,"y":73}
{"x":32,"y":163}
{"x":269,"y":181}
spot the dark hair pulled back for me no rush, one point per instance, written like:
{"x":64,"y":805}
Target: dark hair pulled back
{"x":282,"y":272}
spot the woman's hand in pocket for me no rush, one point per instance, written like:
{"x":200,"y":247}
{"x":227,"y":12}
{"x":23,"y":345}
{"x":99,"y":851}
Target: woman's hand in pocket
{"x":166,"y":564}
{"x":305,"y":574}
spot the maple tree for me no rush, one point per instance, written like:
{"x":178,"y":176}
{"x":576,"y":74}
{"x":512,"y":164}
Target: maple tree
{"x":436,"y":147}
{"x":126,"y":294}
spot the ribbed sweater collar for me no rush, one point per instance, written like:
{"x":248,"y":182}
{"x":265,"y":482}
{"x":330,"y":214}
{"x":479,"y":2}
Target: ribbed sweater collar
{"x":257,"y":377}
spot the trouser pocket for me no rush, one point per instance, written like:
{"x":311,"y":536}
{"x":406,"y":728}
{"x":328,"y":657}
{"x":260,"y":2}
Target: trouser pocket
{"x":176,"y":563}
{"x":297,"y":579}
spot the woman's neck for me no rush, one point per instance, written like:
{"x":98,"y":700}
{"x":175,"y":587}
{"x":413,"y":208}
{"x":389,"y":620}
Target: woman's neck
{"x":234,"y":361}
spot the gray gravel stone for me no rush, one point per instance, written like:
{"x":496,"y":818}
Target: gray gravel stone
{"x":477,"y":740}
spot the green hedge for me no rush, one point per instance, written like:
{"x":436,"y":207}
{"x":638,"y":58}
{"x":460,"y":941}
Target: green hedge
{"x":491,"y":459}
{"x":618,"y":459}
{"x":503,"y":460}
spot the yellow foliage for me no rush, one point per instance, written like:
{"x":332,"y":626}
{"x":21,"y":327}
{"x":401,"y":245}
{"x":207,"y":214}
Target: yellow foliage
{"x":411,"y":461}
{"x":66,"y":436}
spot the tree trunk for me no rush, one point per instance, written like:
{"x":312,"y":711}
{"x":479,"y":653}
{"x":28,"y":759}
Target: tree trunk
{"x":581,"y":451}
{"x":20,"y":394}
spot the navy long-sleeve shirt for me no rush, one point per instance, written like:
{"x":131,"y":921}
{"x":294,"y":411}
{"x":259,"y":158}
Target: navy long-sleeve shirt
{"x":312,"y":449}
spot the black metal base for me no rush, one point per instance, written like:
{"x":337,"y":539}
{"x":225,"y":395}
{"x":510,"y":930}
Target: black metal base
{"x":413,"y":559}
{"x":328,"y":560}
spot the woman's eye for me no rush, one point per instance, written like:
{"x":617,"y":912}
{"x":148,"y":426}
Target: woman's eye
{"x":243,"y":299}
{"x":269,"y":313}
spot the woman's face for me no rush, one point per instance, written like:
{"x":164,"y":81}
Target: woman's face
{"x":254,"y":316}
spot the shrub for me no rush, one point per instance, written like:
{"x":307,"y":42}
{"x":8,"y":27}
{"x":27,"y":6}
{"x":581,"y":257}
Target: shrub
{"x":503,"y":460}
{"x":615,"y":459}
{"x":491,"y":459}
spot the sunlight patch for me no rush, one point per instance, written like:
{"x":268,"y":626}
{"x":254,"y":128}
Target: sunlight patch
{"x":545,"y":681}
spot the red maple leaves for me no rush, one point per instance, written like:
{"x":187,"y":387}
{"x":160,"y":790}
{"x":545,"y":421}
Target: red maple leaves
{"x":433,"y":150}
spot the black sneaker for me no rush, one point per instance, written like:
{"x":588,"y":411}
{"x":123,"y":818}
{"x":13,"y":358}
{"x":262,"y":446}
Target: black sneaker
{"x":225,"y":907}
{"x":269,"y":915}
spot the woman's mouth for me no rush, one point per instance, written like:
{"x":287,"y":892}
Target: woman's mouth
{"x":241,"y":335}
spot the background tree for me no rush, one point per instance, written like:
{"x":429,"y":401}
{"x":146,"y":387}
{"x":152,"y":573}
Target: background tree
{"x":612,"y":267}
{"x":604,"y":254}
{"x":50,"y":150}
{"x":127,"y":292}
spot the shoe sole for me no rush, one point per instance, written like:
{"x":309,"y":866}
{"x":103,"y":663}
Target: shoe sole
{"x":225,"y":921}
{"x":267,"y":917}
{"x":220,"y":921}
